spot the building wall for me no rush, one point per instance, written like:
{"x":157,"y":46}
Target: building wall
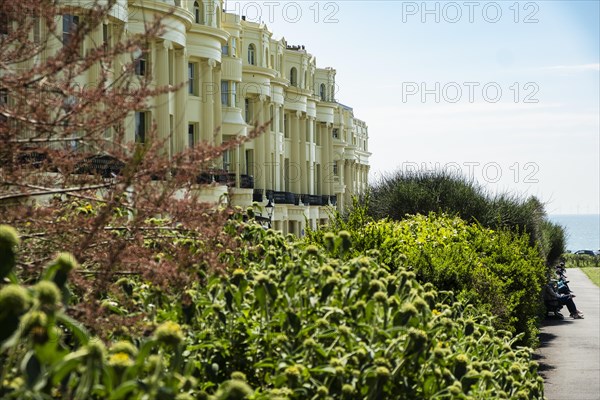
{"x":235,"y":76}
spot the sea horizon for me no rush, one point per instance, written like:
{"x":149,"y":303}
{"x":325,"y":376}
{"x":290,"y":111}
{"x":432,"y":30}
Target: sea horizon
{"x":582,"y":230}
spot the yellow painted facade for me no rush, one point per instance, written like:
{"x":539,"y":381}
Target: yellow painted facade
{"x":236,"y":75}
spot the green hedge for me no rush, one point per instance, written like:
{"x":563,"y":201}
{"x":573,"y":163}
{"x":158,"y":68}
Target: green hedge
{"x":289,"y":322}
{"x":581,"y":260}
{"x":496,"y":270}
{"x":404,"y":193}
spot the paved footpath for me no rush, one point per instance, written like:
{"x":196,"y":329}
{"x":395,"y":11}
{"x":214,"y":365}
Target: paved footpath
{"x":569,"y":353}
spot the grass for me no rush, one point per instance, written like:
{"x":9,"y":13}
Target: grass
{"x":593,"y":273}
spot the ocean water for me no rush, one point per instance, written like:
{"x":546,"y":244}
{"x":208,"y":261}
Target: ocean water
{"x":583,"y":231}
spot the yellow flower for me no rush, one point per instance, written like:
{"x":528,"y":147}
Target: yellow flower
{"x":120,"y":360}
{"x":169,"y":333}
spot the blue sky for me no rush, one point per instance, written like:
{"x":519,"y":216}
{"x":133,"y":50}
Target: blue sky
{"x":517,"y":86}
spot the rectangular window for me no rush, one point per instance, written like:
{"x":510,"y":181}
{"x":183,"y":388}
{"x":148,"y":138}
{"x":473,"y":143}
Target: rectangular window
{"x":193,"y":79}
{"x":70,"y":23}
{"x":141,"y":62}
{"x":233,"y":47}
{"x":141,"y":126}
{"x":105,"y":37}
{"x":224,"y":93}
{"x":225,"y":50}
{"x":335,"y":168}
{"x":4,"y":24}
{"x":37,"y":29}
{"x":286,"y":126}
{"x":191,"y":135}
{"x":247,"y":110}
{"x":336,"y":133}
{"x":226,"y":160}
{"x":233,"y":98}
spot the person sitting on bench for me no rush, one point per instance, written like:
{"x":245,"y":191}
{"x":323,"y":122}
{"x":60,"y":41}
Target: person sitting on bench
{"x":550,"y":294}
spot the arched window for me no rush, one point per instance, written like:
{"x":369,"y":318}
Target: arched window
{"x":322,"y":93}
{"x":293,"y":77}
{"x":251,"y":54}
{"x":198,"y":12}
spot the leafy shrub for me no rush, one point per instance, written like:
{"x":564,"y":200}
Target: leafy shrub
{"x":291,"y":323}
{"x":302,"y":325}
{"x":552,"y":241}
{"x":408,"y":193}
{"x":495,"y":270}
{"x":405,"y":193}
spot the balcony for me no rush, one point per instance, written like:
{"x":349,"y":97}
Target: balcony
{"x":225,"y":178}
{"x":33,"y":158}
{"x":281,"y":197}
{"x":314,"y":200}
{"x":104,"y":165}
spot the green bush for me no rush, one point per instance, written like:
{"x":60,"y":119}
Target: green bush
{"x":302,"y":325}
{"x":408,"y":193}
{"x":552,"y":241}
{"x":289,"y":322}
{"x":496,"y":270}
{"x":581,"y":260}
{"x":402,"y":194}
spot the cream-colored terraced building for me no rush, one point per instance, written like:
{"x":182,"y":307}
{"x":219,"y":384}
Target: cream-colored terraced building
{"x":235,"y":75}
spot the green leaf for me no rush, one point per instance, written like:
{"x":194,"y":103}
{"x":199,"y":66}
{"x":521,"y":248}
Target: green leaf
{"x":229,"y":299}
{"x":268,"y":363}
{"x":123,"y":390}
{"x":32,"y":368}
{"x":49,"y":353}
{"x":327,"y":369}
{"x":326,"y":291}
{"x":272,"y":289}
{"x":430,"y":385}
{"x":75,"y":327}
{"x":293,"y":320}
{"x":261,"y":295}
{"x":69,"y":363}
